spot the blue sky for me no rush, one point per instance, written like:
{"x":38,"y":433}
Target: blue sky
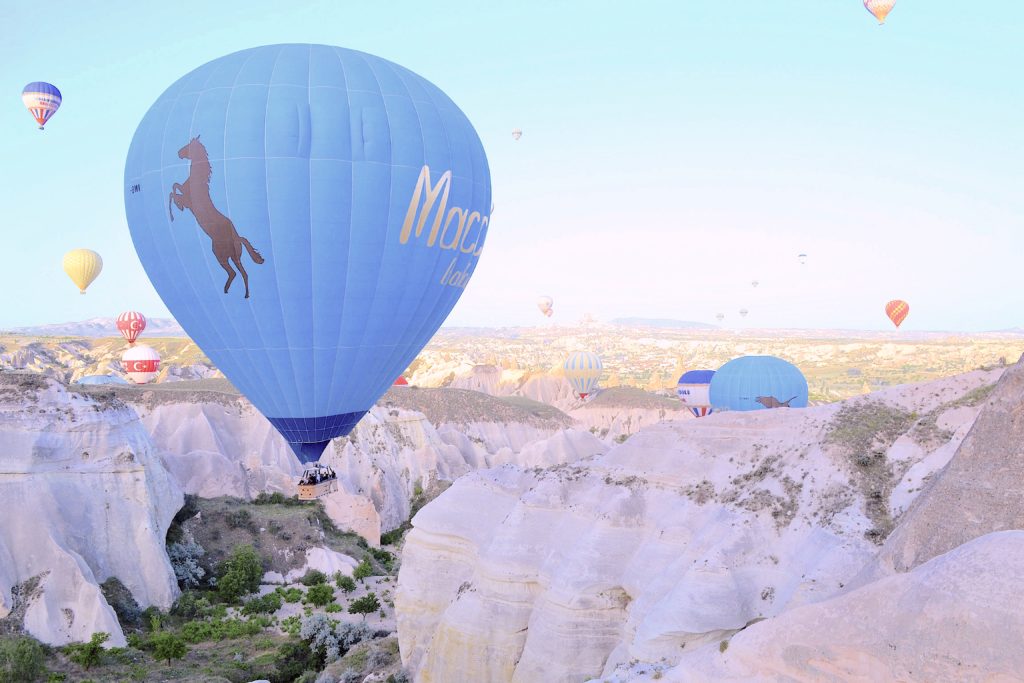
{"x":672,"y":151}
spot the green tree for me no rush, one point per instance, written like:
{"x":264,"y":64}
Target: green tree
{"x":345,"y":583}
{"x":167,"y":645}
{"x":21,"y":659}
{"x":88,"y":654}
{"x":363,"y":570}
{"x":368,"y":604}
{"x":320,"y":594}
{"x":293,"y":659}
{"x":240,"y":574}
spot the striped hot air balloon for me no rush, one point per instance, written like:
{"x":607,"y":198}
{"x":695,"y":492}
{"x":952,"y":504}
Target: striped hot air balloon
{"x":583,"y":370}
{"x":42,"y":101}
{"x":141,"y":363}
{"x":131,"y":324}
{"x":879,"y":8}
{"x":897,"y":310}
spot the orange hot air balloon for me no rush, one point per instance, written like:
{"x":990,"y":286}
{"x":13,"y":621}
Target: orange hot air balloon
{"x":897,"y":310}
{"x":879,"y":8}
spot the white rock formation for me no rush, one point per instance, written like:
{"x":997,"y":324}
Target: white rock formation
{"x":85,"y":498}
{"x":679,"y":537}
{"x":325,"y":560}
{"x":954,"y":618}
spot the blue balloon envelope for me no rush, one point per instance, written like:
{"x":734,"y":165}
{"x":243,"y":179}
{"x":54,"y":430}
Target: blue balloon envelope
{"x":310,"y":215}
{"x":756,"y":383}
{"x":693,"y":390}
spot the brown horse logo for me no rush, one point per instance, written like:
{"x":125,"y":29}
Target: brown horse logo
{"x":194,"y":194}
{"x":772,"y":402}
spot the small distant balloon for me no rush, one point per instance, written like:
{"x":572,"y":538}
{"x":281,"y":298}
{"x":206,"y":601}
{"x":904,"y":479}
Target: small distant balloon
{"x":401,"y":382}
{"x":82,"y":266}
{"x":583,"y":370}
{"x":131,"y":324}
{"x":517,"y":133}
{"x":720,"y":317}
{"x":897,"y":310}
{"x":802,"y":258}
{"x":754,"y":283}
{"x":879,"y":8}
{"x":546,"y":304}
{"x":141,"y":364}
{"x":42,"y":101}
{"x":743,"y":312}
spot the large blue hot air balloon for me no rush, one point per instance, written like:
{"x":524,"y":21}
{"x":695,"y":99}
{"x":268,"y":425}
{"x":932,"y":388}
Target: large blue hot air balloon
{"x":758,"y":382}
{"x":310,"y":215}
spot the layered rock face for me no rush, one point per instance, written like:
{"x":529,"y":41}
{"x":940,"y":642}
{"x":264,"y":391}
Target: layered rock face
{"x":215,"y":443}
{"x":955,"y":618}
{"x":85,"y":499}
{"x":678,"y":538}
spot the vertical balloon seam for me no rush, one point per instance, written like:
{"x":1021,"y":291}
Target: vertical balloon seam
{"x":160,"y":163}
{"x":280,"y":410}
{"x":398,"y":351}
{"x":363,"y":346}
{"x":249,"y":370}
{"x":439,"y":300}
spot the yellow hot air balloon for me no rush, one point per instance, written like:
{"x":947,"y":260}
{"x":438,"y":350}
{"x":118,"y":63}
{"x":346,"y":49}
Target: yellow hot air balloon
{"x":82,"y":266}
{"x":879,"y":8}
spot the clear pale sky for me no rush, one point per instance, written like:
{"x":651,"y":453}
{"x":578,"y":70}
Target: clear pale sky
{"x":673,"y":150}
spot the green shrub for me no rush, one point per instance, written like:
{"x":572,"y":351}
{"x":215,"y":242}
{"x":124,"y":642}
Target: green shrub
{"x":240,"y":519}
{"x":88,"y":654}
{"x":276,"y":498}
{"x":320,"y":594}
{"x":22,"y":659}
{"x":394,"y":536}
{"x":313,"y":577}
{"x":292,"y":594}
{"x":332,"y":608}
{"x":291,"y":625}
{"x":384,"y":557}
{"x":168,"y":646}
{"x":191,"y":605}
{"x":293,"y":659}
{"x":240,"y":574}
{"x":221,"y":629}
{"x":345,"y":583}
{"x":363,"y":570}
{"x":266,"y":604}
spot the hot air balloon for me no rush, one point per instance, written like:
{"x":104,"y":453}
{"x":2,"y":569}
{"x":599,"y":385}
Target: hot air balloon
{"x":401,"y":382}
{"x":82,"y":266}
{"x":897,"y":310}
{"x":743,"y":312}
{"x":345,"y":199}
{"x":42,"y":101}
{"x":879,"y":8}
{"x":583,"y":370}
{"x":131,"y":324}
{"x":802,"y":258}
{"x":755,"y":283}
{"x":141,"y":363}
{"x":756,"y":383}
{"x":719,"y":317}
{"x":692,"y":390}
{"x":516,"y":133}
{"x":545,"y":303}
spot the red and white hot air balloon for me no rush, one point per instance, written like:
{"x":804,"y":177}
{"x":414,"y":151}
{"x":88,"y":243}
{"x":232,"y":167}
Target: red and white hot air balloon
{"x":131,"y":324}
{"x":141,"y":363}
